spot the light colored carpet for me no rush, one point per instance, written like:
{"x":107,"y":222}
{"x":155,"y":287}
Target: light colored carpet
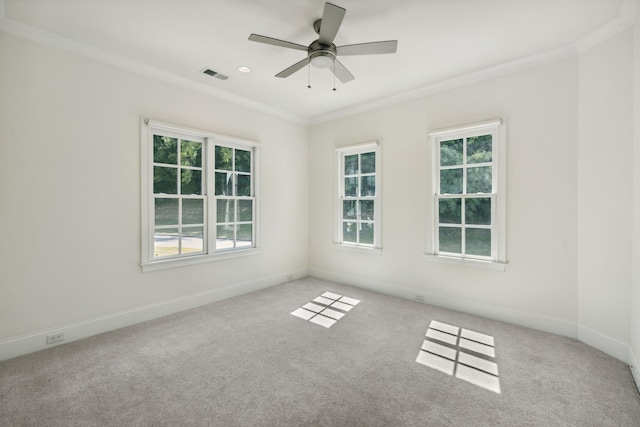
{"x":248,"y":361}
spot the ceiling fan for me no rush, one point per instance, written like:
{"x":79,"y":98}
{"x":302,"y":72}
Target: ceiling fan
{"x":322,"y":53}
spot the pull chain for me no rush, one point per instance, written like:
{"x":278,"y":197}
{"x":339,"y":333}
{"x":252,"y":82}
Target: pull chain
{"x":309,"y":84}
{"x":334,"y":74}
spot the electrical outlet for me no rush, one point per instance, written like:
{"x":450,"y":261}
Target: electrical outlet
{"x":54,"y":338}
{"x":419,"y":298}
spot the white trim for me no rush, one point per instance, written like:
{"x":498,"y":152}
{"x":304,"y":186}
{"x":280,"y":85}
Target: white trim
{"x":358,"y":248}
{"x":531,"y":320}
{"x":26,"y":344}
{"x":468,"y":127}
{"x":209,"y":139}
{"x":507,"y":68}
{"x":625,"y":19}
{"x":467,"y":262}
{"x":340,"y":152}
{"x":567,"y":328}
{"x":634,"y":367}
{"x":604,"y":343}
{"x":46,"y":38}
{"x":498,"y":257}
{"x":163,"y":264}
{"x":356,"y":148}
{"x":155,"y":124}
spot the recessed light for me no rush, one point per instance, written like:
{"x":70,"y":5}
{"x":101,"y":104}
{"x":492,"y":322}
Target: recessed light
{"x":244,"y":69}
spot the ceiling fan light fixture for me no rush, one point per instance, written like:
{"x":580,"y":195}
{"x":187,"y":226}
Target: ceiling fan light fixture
{"x":322,"y":59}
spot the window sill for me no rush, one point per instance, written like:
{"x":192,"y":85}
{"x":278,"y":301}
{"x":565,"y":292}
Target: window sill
{"x":475,"y":263}
{"x":197,"y":259}
{"x":356,"y":248}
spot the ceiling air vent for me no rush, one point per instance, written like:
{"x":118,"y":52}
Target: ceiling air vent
{"x":215,"y":74}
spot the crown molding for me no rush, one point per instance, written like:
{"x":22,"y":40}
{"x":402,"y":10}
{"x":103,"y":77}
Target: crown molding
{"x":626,"y":18}
{"x":46,"y":38}
{"x":455,"y":82}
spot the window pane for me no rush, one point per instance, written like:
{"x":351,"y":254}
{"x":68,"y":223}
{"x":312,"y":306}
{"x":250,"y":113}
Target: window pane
{"x":165,"y":242}
{"x":450,"y":239}
{"x":192,"y":211}
{"x":451,"y":181}
{"x":192,"y":239}
{"x":478,"y":211}
{"x":450,"y":211}
{"x":243,"y":161}
{"x":223,"y":157}
{"x":351,"y":187}
{"x":349,"y":230}
{"x":191,"y":181}
{"x":479,"y":180}
{"x":165,"y":150}
{"x":245,"y":210}
{"x":368,"y":186}
{"x":368,"y":162}
{"x":349,"y":209}
{"x":225,"y":235}
{"x":245,"y":236}
{"x":366,"y":210}
{"x":190,"y":153}
{"x":479,"y":149}
{"x":244,"y":185}
{"x":451,"y":152}
{"x":224,"y":184}
{"x":166,"y":211}
{"x":366,"y":234}
{"x":225,"y":210}
{"x":165,"y":180}
{"x":478,"y":241}
{"x":351,"y":164}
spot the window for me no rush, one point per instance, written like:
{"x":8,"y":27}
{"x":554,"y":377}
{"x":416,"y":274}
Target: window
{"x":358,"y":207}
{"x":234,"y":198}
{"x":200,"y":192}
{"x":469,"y":208}
{"x":178,"y":196}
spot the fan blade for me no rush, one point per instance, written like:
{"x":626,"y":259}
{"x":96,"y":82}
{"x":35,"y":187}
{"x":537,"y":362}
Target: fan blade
{"x":341,"y":72}
{"x":331,"y":20}
{"x":373,"y":48}
{"x":295,"y":67}
{"x":276,"y":42}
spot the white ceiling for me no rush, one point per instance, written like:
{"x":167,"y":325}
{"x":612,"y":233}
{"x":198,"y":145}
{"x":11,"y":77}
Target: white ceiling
{"x":438,"y":40}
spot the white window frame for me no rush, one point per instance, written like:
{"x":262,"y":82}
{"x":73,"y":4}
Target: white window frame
{"x":209,"y":140}
{"x":340,"y":154}
{"x":497,"y":260}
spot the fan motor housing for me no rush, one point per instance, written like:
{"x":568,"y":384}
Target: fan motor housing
{"x":320,"y":55}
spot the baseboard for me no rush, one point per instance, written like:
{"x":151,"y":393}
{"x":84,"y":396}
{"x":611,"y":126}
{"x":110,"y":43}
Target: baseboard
{"x":634,"y":366}
{"x":608,"y":345}
{"x":37,"y":341}
{"x":604,"y":343}
{"x":534,"y":321}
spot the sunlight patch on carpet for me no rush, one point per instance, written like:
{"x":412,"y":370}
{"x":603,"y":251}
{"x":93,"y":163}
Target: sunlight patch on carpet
{"x":443,"y":347}
{"x":326,"y":309}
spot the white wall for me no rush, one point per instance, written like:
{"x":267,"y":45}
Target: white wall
{"x":605,"y":180}
{"x":569,"y":207}
{"x":70,"y":191}
{"x":634,"y":356}
{"x":539,"y":287}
